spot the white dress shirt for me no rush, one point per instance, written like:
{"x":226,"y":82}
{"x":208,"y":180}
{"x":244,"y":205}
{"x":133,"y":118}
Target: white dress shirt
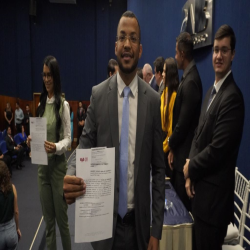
{"x":63,"y":145}
{"x":133,"y":102}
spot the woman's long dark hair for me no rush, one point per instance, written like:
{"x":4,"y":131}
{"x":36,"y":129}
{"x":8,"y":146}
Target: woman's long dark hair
{"x":171,"y":81}
{"x":53,"y":66}
{"x":5,"y":183}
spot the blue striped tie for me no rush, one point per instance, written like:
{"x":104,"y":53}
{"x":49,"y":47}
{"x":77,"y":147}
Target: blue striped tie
{"x":123,"y":199}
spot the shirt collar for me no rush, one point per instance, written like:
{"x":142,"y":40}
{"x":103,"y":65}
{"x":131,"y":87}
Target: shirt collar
{"x":220,"y":82}
{"x":161,"y":83}
{"x":121,"y":85}
{"x":187,"y":69}
{"x":51,"y":100}
{"x":151,"y":80}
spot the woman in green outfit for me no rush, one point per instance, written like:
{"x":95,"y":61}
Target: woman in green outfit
{"x":50,"y":177}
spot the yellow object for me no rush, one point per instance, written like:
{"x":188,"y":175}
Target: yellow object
{"x":167,"y":124}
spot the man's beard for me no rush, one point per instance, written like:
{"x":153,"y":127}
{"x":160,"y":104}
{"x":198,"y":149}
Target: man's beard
{"x":127,"y":70}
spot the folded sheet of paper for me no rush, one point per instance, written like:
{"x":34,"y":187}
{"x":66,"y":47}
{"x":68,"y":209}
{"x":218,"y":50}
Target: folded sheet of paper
{"x":38,"y":133}
{"x":94,"y":210}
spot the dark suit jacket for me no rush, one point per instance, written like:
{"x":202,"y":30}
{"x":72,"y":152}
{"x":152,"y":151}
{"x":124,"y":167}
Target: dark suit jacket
{"x":10,"y":144}
{"x":154,"y":84}
{"x":102,"y":129}
{"x":185,"y":117}
{"x":214,"y":153}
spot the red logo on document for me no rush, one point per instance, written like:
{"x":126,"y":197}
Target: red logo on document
{"x":84,"y":159}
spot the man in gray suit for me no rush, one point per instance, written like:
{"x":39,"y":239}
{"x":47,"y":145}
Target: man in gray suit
{"x":104,"y":126}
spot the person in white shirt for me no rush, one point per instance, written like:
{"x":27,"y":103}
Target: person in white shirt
{"x":50,"y":177}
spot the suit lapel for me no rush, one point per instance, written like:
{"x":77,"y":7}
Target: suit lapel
{"x":141,"y":118}
{"x":113,"y":112}
{"x":204,"y":113}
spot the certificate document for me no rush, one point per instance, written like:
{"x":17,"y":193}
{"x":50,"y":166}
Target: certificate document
{"x":94,"y":210}
{"x":38,"y":133}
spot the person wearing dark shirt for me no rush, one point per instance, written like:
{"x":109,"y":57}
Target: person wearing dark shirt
{"x":14,"y":149}
{"x":9,"y":215}
{"x":26,"y":120}
{"x":81,"y":116}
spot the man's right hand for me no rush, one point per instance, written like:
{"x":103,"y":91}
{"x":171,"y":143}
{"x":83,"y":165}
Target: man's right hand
{"x":73,"y":187}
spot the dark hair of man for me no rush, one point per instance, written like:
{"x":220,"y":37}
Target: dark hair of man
{"x":53,"y":66}
{"x":131,"y":15}
{"x":139,"y":73}
{"x":111,"y":66}
{"x":171,"y":81}
{"x":226,"y":31}
{"x":159,"y":64}
{"x":8,"y":128}
{"x":185,"y":44}
{"x":27,"y":105}
{"x":5,"y":182}
{"x":18,"y":104}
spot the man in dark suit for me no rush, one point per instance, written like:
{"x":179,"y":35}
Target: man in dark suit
{"x":14,"y":149}
{"x":105,"y":127}
{"x":158,"y":69}
{"x":185,"y":114}
{"x":149,"y":77}
{"x":210,"y":170}
{"x":26,"y":120}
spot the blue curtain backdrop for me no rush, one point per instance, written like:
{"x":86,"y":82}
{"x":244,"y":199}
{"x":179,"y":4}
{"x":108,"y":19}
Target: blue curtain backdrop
{"x":81,"y":37}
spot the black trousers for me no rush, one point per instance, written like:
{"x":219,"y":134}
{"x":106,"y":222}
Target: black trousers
{"x":79,"y":133}
{"x":178,"y":182}
{"x":19,"y":127}
{"x":168,"y":171}
{"x":125,"y":237}
{"x":207,"y":237}
{"x":19,"y":153}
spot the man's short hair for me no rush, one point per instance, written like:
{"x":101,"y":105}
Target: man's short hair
{"x":226,"y":31}
{"x":159,"y":64}
{"x":111,"y":66}
{"x":185,"y":44}
{"x":131,"y":15}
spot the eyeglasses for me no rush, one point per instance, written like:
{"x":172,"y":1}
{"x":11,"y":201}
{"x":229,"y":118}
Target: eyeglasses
{"x":223,"y":50}
{"x":123,"y":38}
{"x":48,"y":75}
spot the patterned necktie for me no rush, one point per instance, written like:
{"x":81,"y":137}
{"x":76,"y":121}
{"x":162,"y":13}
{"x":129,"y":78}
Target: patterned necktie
{"x":123,"y":199}
{"x":213,"y":92}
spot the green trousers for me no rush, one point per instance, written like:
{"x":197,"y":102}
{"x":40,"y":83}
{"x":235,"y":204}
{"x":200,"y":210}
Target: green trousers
{"x":54,"y":207}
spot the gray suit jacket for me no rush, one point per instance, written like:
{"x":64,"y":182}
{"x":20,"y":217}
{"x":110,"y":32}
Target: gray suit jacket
{"x":101,"y":129}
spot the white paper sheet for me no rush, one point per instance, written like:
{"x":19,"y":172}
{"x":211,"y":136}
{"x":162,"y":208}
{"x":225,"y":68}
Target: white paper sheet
{"x":94,"y":210}
{"x":38,"y":133}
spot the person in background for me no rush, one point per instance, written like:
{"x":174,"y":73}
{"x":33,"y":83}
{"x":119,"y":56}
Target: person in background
{"x":26,"y":119}
{"x":14,"y":149}
{"x":81,"y":116}
{"x":112,"y":67}
{"x":139,"y":73}
{"x":18,"y":117}
{"x":8,"y":115}
{"x":186,"y":113}
{"x":71,"y":125}
{"x":158,"y":69}
{"x":149,"y":77}
{"x":50,"y":177}
{"x":171,"y":83}
{"x":10,"y":232}
{"x":23,"y":138}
